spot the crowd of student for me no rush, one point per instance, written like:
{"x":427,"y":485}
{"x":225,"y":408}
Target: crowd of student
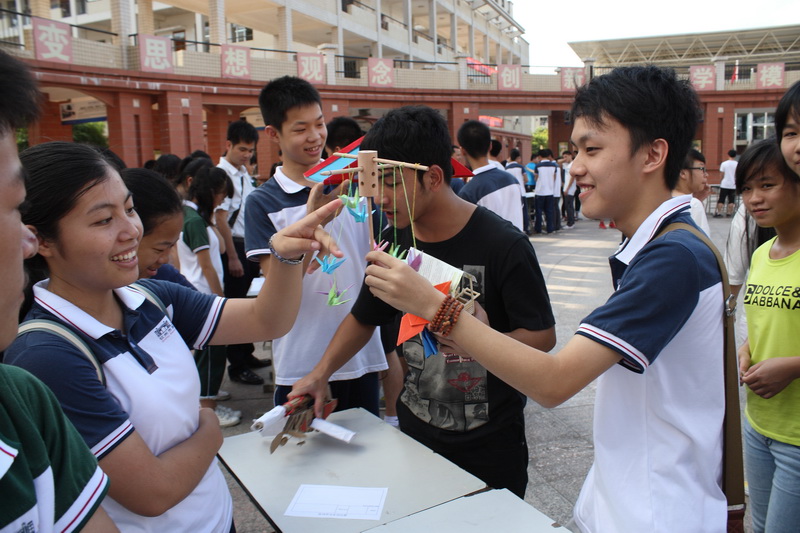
{"x":111,"y":342}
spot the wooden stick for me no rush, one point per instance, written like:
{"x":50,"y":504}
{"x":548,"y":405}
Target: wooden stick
{"x":348,"y":170}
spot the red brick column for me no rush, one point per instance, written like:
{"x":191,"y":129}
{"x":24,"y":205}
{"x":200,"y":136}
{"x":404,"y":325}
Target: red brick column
{"x":49,"y":126}
{"x":130,"y":128}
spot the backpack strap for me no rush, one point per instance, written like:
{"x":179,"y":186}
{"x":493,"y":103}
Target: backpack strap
{"x":54,"y":328}
{"x":732,"y":461}
{"x":151,"y":296}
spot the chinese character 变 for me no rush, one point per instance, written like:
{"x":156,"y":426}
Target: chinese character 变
{"x":54,"y":38}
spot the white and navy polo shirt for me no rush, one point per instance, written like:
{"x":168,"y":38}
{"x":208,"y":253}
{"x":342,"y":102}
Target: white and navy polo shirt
{"x":281,"y":202}
{"x":152,"y":385}
{"x":496,"y":190}
{"x":659,"y":413}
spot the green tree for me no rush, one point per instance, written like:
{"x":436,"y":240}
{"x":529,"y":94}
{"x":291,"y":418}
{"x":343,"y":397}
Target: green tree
{"x":90,"y":133}
{"x":539,"y":139}
{"x":22,"y":138}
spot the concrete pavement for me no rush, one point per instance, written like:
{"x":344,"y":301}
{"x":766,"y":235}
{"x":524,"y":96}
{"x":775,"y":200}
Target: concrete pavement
{"x":575,"y":267}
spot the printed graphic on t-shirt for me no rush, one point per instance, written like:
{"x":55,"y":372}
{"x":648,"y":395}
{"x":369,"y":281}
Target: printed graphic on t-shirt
{"x":447,"y":391}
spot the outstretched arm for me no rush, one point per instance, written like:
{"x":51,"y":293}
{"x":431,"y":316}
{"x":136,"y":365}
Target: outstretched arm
{"x":272,"y":313}
{"x":549,"y":379}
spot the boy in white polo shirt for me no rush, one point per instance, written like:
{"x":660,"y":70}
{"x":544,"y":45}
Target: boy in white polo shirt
{"x":656,"y":346}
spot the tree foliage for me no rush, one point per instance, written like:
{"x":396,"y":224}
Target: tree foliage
{"x":90,"y":133}
{"x":539,"y":139}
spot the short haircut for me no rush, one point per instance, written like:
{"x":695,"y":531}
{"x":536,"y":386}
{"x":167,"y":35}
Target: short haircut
{"x":415,"y":134}
{"x":285,"y":93}
{"x":154,"y":197}
{"x":545,"y":152}
{"x":651,"y":103}
{"x":692,"y":156}
{"x":789,"y":106}
{"x":20,"y":97}
{"x":514,"y":154}
{"x":495,"y":148}
{"x":566,"y":152}
{"x":168,"y":165}
{"x":242,"y":132}
{"x":342,"y":131}
{"x":732,"y":153}
{"x":475,"y":138}
{"x":761,"y":157}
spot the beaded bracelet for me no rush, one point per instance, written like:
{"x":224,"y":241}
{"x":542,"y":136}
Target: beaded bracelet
{"x":283,"y":259}
{"x":446,"y":316}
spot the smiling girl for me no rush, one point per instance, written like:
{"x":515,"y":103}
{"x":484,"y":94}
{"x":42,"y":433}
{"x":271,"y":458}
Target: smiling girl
{"x":138,"y":410}
{"x":769,"y":361}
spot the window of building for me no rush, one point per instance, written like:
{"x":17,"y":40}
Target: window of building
{"x":752,"y":126}
{"x":241,"y":33}
{"x":63,"y":5}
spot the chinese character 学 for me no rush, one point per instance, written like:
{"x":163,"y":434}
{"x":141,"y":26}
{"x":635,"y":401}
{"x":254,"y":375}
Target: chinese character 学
{"x":55,"y":39}
{"x":157,"y":54}
{"x":380,"y":74}
{"x":310,"y":67}
{"x":703,"y":78}
{"x":236,"y":62}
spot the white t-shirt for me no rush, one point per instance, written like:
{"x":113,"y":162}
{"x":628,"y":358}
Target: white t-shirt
{"x":728,"y":169}
{"x":190,"y":266}
{"x":569,"y":191}
{"x":242,"y":187}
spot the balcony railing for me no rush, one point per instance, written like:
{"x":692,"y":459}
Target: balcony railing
{"x":92,"y":48}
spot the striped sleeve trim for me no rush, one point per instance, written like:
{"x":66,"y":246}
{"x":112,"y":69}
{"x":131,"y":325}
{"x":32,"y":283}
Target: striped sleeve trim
{"x":633,"y":357}
{"x":113,"y":438}
{"x":210,"y":324}
{"x":84,"y":506}
{"x":201,"y":248}
{"x":253,"y":254}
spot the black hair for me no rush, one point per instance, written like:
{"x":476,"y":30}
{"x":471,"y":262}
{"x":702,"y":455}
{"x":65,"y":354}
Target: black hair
{"x":475,"y":138}
{"x":692,"y":156}
{"x":514,"y":154}
{"x":190,"y":167}
{"x":342,"y":131}
{"x":149,"y":164}
{"x":113,"y":159}
{"x":495,"y":147}
{"x":153,"y":196}
{"x":199,"y":153}
{"x":241,"y":132}
{"x":57,"y":174}
{"x":285,"y":93}
{"x":545,"y":152}
{"x":415,"y":134}
{"x":20,"y":98}
{"x":168,"y":165}
{"x":789,"y":106}
{"x":759,"y":158}
{"x":208,"y":181}
{"x":651,"y":103}
{"x":731,"y":153}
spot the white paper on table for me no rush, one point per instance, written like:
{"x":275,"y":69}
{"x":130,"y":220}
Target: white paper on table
{"x":333,"y":430}
{"x":270,"y":423}
{"x":334,"y":501}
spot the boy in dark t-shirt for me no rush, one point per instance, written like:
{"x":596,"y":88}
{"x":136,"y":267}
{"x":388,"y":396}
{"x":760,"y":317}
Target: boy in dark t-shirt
{"x":450,"y":402}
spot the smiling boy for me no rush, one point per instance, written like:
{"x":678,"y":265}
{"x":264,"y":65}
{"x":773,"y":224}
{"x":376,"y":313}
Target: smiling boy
{"x":293,"y":116}
{"x":656,"y":346}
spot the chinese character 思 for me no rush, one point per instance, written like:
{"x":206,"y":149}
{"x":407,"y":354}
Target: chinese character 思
{"x":157,"y":54}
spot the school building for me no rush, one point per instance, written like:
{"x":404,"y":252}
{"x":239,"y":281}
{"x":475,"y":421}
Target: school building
{"x":168,"y":78}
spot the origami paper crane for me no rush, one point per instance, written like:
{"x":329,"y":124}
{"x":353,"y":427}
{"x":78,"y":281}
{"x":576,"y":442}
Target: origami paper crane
{"x":414,"y":259}
{"x":410,"y":325}
{"x":382,"y":246}
{"x":361,"y":213}
{"x":350,"y":202}
{"x":329,"y":263}
{"x":396,"y":251}
{"x":335,"y":296}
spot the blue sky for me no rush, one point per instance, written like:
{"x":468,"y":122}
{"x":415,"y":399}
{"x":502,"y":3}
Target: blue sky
{"x":550,"y":27}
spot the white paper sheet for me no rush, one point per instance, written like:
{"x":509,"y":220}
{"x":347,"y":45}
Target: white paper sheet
{"x":337,"y":432}
{"x":334,"y":501}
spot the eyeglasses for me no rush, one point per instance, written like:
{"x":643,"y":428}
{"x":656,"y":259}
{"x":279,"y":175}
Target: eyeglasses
{"x":701,"y":169}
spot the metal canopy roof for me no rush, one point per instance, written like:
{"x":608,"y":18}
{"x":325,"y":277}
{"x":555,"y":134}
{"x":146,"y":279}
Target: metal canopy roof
{"x":780,"y":43}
